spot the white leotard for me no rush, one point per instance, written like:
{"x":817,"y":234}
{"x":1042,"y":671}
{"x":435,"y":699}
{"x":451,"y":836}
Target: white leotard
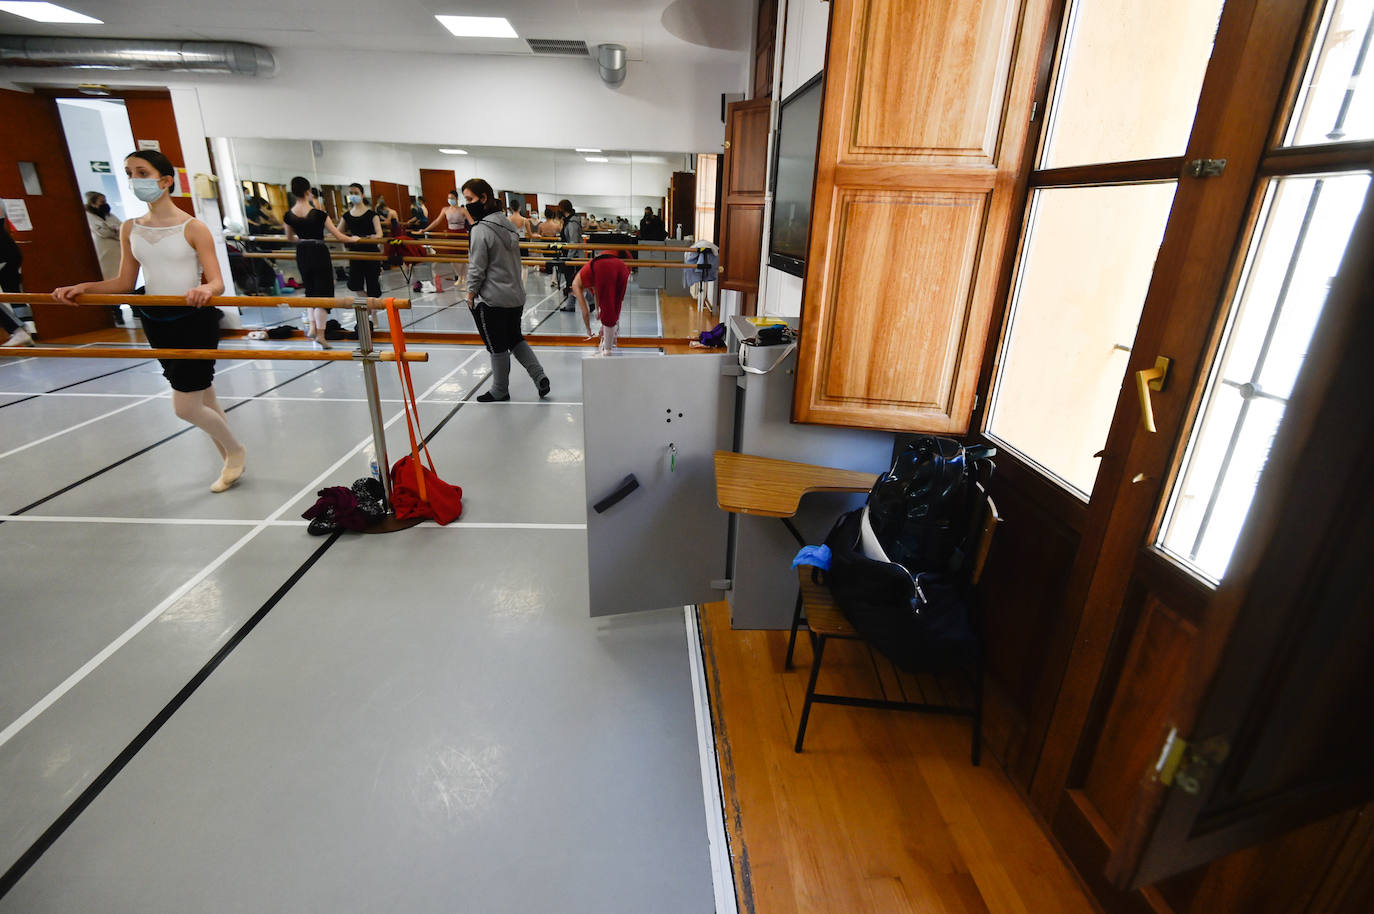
{"x":170,"y":265}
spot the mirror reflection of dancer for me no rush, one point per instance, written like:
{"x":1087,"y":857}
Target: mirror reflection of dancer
{"x":174,"y":251}
{"x":362,"y":222}
{"x":11,"y":280}
{"x":306,"y":225}
{"x":607,"y":276}
{"x":496,"y":294}
{"x":455,"y":218}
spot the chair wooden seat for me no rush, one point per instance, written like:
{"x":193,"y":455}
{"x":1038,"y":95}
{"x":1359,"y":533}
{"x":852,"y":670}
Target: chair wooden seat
{"x":823,"y":617}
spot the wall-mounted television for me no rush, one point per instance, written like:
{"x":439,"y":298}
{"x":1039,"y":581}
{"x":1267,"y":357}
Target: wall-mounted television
{"x":794,"y":175}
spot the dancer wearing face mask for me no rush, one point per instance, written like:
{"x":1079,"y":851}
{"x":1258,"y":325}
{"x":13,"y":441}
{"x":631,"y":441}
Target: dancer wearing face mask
{"x":496,"y":293}
{"x":175,"y":252}
{"x":455,"y":218}
{"x":306,"y":225}
{"x":362,"y":222}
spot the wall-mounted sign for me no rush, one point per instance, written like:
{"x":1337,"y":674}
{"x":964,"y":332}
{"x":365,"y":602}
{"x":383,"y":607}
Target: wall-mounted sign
{"x":150,"y":144}
{"x":17,"y":211}
{"x":100,"y":168}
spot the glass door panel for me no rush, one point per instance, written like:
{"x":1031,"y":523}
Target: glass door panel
{"x":1336,"y":99}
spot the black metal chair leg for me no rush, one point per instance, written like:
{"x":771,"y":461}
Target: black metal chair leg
{"x":792,"y":639}
{"x":819,"y":643}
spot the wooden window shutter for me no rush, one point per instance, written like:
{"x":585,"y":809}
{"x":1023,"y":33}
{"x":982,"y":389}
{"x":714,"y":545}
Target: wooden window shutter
{"x":923,"y":136}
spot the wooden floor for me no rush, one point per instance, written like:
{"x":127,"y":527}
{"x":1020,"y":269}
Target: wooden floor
{"x":881,"y":813}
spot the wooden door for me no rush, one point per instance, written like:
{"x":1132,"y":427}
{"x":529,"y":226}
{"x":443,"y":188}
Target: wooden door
{"x":765,"y":48}
{"x":1256,"y":666}
{"x":435,"y":186}
{"x":397,"y":199}
{"x":923,"y":124}
{"x":744,"y":196}
{"x":56,"y":252}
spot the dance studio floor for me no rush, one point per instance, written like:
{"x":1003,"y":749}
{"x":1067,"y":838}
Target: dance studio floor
{"x":422,"y":721}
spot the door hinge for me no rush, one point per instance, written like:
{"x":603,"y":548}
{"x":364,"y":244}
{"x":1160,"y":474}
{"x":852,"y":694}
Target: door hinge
{"x":722,"y":584}
{"x":1186,"y":766}
{"x":1204,"y":168}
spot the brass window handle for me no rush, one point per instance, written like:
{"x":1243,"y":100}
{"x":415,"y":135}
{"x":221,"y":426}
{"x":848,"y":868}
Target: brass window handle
{"x":1146,"y":380}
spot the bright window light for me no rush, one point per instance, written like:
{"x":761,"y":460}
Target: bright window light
{"x":589,"y":150}
{"x":453,"y":152}
{"x":478,"y":26}
{"x":597,"y":159}
{"x":47,"y":12}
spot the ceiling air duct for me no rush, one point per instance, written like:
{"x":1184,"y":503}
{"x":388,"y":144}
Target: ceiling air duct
{"x":137,"y":54}
{"x":610,"y":59}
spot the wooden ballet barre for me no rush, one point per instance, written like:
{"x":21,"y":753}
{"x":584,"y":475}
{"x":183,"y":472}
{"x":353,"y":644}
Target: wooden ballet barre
{"x":253,"y":355}
{"x":334,"y":255}
{"x":172,"y":301}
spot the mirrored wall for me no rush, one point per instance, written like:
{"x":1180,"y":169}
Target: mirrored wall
{"x":613,"y":190}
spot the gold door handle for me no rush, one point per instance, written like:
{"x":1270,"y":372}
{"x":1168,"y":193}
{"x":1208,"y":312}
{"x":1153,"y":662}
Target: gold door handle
{"x":1146,"y":380}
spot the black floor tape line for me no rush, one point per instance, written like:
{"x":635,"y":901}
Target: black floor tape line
{"x":74,"y":384}
{"x":112,"y":770}
{"x":141,"y":451}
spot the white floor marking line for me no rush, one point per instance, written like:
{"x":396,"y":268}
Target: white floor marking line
{"x":65,"y":393}
{"x":270,"y":398}
{"x":72,"y":428}
{"x":130,"y":633}
{"x":164,"y":521}
{"x":722,"y":873}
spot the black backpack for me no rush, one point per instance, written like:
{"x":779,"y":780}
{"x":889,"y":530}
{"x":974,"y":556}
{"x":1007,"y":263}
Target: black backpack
{"x":915,"y":607}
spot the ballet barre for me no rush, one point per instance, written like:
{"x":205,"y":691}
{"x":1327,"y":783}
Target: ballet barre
{"x":366,"y":353}
{"x":174,"y":301}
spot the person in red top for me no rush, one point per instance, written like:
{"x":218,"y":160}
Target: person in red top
{"x":606,"y":276}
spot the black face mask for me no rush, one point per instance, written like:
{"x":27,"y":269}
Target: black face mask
{"x":102,"y":210}
{"x":477,"y":209}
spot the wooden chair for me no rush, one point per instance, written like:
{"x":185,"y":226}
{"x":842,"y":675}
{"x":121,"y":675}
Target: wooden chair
{"x":825,"y":622}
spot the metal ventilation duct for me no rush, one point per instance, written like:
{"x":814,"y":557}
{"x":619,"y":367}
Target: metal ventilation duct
{"x":137,"y":54}
{"x":557,"y":46}
{"x":610,"y":58}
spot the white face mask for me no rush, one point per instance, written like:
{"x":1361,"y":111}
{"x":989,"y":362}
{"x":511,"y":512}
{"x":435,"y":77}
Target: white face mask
{"x":452,"y":201}
{"x":146,"y":189}
{"x":355,"y":198}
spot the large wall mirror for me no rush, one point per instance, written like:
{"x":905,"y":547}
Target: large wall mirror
{"x":613,"y":190}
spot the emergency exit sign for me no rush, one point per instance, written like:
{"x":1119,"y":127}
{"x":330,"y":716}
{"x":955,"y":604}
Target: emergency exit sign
{"x":100,"y":168}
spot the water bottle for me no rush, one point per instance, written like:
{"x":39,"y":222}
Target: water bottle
{"x":372,"y":464}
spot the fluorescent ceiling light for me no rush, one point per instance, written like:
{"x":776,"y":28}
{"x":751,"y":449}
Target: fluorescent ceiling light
{"x":453,"y":152}
{"x":588,"y":150}
{"x":47,"y":12}
{"x":478,"y":26}
{"x":597,"y":159}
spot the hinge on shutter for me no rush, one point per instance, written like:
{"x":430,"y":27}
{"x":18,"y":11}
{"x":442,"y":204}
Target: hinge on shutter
{"x":1187,"y":767}
{"x":1204,"y":168}
{"x":1035,"y":109}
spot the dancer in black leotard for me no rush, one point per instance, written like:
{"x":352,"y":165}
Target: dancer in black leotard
{"x":306,"y":225}
{"x":360,"y":220}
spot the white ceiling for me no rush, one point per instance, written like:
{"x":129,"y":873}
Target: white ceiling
{"x":696,"y":30}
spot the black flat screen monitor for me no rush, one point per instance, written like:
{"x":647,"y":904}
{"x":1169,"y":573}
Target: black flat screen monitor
{"x":794,"y":172}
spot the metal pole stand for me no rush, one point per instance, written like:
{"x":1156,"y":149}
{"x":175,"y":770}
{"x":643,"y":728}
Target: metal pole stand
{"x":367,"y":354}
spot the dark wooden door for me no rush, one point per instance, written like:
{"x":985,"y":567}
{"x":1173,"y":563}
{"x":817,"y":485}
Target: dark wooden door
{"x":1248,"y":675}
{"x":745,"y":185}
{"x":435,"y":186}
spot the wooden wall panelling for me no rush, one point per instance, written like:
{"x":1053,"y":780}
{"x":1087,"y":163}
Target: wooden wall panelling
{"x":765,"y":47}
{"x":435,"y":186}
{"x":745,"y":185}
{"x":55,"y":252}
{"x":151,"y":117}
{"x":922,"y":142}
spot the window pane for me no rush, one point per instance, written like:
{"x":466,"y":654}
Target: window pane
{"x":1080,"y":286}
{"x":1336,"y":102}
{"x":1295,"y":252}
{"x":1128,"y":80}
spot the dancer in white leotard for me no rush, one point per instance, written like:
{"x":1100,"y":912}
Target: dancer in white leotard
{"x":174,"y":250}
{"x":456,"y":218}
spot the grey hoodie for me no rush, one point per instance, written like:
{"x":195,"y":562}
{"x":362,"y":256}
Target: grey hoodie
{"x":494,"y":262}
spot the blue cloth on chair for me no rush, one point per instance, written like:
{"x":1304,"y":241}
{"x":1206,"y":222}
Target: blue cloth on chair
{"x":813,"y":555}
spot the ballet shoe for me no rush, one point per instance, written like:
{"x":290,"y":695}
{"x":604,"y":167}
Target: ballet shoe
{"x":232,"y":472}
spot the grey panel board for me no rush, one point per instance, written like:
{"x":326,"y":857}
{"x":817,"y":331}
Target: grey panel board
{"x":765,"y":588}
{"x":664,"y":543}
{"x":60,"y":752}
{"x":648,"y":277}
{"x":411,"y":742}
{"x":71,"y":589}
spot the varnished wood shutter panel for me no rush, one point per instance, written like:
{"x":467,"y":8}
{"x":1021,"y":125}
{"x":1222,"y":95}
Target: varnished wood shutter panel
{"x":922,"y":135}
{"x":745,"y":184}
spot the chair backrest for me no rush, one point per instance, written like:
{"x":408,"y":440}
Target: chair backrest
{"x":986,"y":520}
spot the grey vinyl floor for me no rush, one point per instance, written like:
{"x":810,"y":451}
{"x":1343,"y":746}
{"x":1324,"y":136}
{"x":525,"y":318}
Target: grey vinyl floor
{"x":421,"y":721}
{"x":446,"y":311}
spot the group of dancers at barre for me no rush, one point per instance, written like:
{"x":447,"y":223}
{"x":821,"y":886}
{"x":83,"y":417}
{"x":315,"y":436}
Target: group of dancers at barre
{"x":176,"y":253}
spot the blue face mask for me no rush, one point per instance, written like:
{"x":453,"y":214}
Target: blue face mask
{"x":354,"y":198}
{"x":146,"y":189}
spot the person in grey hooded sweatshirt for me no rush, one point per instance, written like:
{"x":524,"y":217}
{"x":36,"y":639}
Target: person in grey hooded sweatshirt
{"x":496,"y":292}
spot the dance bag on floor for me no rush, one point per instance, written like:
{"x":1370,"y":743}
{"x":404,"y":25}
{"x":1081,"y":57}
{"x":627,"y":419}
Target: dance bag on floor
{"x":416,"y":489}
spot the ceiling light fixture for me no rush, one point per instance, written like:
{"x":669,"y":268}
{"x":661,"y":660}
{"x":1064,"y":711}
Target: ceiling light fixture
{"x":47,"y":12}
{"x":478,"y":26}
{"x":453,"y":152}
{"x":588,"y":150}
{"x":597,"y":159}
